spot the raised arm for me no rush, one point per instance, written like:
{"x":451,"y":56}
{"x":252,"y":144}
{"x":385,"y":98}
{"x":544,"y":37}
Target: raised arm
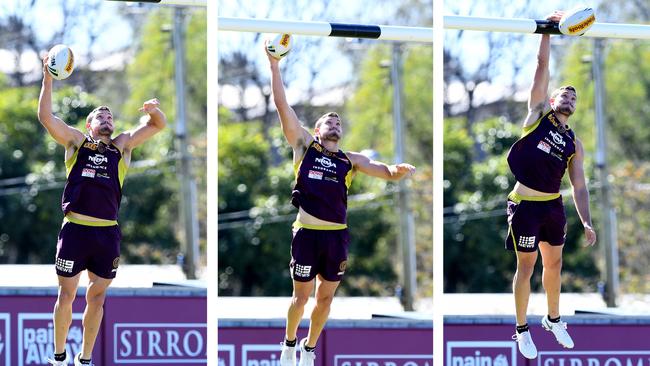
{"x":580,"y":192}
{"x":59,"y":130}
{"x":538,"y":98}
{"x":153,"y":124}
{"x":378,"y":169}
{"x":298,"y":137}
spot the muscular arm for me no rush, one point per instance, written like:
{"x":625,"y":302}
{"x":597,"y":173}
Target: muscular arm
{"x":154,"y":123}
{"x":378,"y":169}
{"x":580,"y":192}
{"x":62,"y":133}
{"x":538,"y":99}
{"x":297,"y":136}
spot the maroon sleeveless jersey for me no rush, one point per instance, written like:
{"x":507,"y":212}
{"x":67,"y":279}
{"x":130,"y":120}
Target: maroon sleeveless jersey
{"x":322,"y":181}
{"x":95,"y":174}
{"x":542,"y":154}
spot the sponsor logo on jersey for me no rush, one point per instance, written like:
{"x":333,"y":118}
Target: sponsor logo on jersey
{"x":315,"y":175}
{"x":545,"y":147}
{"x":326,"y":162}
{"x":86,"y":172}
{"x":98,"y":159}
{"x":557,"y":138}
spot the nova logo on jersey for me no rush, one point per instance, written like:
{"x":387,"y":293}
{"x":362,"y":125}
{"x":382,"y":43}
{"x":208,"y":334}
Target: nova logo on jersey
{"x":98,"y":159}
{"x":326,"y":162}
{"x":557,"y":138}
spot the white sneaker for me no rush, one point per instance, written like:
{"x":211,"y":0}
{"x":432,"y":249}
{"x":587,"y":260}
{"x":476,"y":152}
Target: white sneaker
{"x":77,"y":362}
{"x":559,"y":331}
{"x":306,"y":357}
{"x":51,"y":361}
{"x":525,"y":344}
{"x":288,"y":355}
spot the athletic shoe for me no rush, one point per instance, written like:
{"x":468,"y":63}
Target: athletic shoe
{"x":525,"y":344}
{"x":77,"y":362}
{"x":288,"y":355}
{"x":51,"y":361}
{"x":559,"y":331}
{"x":306,"y":357}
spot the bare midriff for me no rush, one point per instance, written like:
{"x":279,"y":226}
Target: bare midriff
{"x":79,"y":216}
{"x":521,"y":189}
{"x":305,"y":218}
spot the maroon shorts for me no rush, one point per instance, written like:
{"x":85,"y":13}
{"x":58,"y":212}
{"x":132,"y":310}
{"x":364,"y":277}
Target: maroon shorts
{"x":533,"y":221}
{"x":95,"y":248}
{"x":323,"y":252}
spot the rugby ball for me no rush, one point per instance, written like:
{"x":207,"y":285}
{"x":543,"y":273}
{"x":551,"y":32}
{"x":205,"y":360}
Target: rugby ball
{"x":60,"y":63}
{"x":577,"y":21}
{"x":279,"y":45}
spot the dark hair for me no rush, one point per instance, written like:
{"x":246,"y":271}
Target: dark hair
{"x":92,"y":114}
{"x":563,"y":88}
{"x":324,"y":117}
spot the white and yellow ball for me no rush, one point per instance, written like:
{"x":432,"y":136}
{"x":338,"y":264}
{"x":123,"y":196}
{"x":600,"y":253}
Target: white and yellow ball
{"x":60,"y":63}
{"x":577,"y":21}
{"x":279,"y":45}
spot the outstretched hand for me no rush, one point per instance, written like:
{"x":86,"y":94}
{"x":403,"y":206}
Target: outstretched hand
{"x":46,"y":74}
{"x":403,"y":170}
{"x":274,"y":61}
{"x":150,"y":106}
{"x":590,"y":235}
{"x":555,"y":16}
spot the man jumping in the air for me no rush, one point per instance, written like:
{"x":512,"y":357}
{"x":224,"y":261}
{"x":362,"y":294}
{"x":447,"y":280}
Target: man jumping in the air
{"x":89,"y":239}
{"x":319,"y":249}
{"x":536,"y":217}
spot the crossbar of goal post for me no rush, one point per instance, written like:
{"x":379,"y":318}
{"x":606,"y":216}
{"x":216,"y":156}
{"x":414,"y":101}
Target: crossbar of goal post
{"x":327,"y":29}
{"x":513,"y":25}
{"x":199,"y":3}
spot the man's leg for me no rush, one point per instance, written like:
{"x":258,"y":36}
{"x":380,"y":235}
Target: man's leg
{"x":551,"y":276}
{"x":301,"y":293}
{"x":63,"y":310}
{"x":324,"y":295}
{"x":92,"y":319}
{"x":521,"y":283}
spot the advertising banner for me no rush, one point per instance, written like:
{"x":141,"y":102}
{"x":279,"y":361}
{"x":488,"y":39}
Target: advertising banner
{"x":341,"y":344}
{"x":599,"y":341}
{"x":136,"y":330}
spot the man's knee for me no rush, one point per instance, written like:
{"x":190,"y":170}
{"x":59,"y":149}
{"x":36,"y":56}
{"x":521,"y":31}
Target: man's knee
{"x":525,"y":269}
{"x":66,"y":297}
{"x":324,"y":299}
{"x":96,"y":299}
{"x":299,"y":299}
{"x":553,"y":264}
